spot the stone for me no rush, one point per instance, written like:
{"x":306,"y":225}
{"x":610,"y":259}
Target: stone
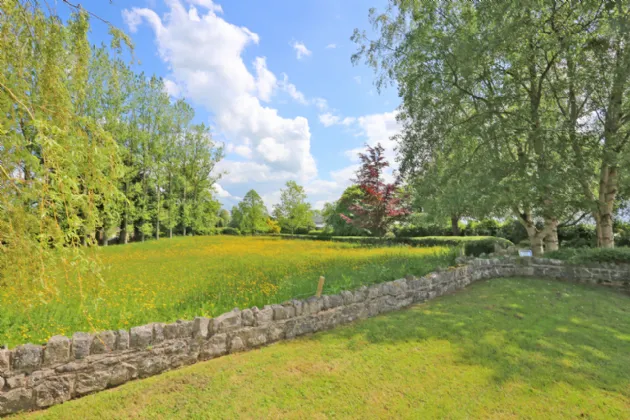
{"x":150,"y":366}
{"x":141,"y":337}
{"x":54,"y":390}
{"x":348,"y":297}
{"x":122,"y":340}
{"x":229,"y":321}
{"x":171,"y":331}
{"x":104,"y":342}
{"x":248,"y":317}
{"x":39,"y":376}
{"x":275,"y":332}
{"x":262,"y":316}
{"x":81,"y":343}
{"x":27,"y":358}
{"x":299,"y":326}
{"x":90,"y":382}
{"x":57,"y":350}
{"x":1,"y":383}
{"x":279,"y":312}
{"x":236,"y":345}
{"x":5,"y":361}
{"x":121,"y":373}
{"x":158,"y":332}
{"x":15,"y":400}
{"x":17,"y":381}
{"x":289,"y":308}
{"x":185,"y":329}
{"x":200,"y":327}
{"x":215,"y":346}
{"x":298,"y":307}
{"x":313,"y":305}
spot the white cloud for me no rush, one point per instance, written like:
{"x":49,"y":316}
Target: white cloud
{"x":222,"y":193}
{"x":204,"y":53}
{"x":292,"y":90}
{"x":357,"y":79}
{"x":328,"y":119}
{"x":265,"y":80}
{"x":171,"y":88}
{"x":301,"y":50}
{"x":244,"y":151}
{"x":208,"y":4}
{"x":331,"y":46}
{"x":320,"y":103}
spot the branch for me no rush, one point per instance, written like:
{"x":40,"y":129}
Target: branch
{"x":81,"y":9}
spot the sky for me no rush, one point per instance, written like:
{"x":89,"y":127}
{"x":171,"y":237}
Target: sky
{"x":274,"y":81}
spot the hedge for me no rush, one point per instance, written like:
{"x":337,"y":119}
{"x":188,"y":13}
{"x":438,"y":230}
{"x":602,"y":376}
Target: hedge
{"x":619,"y":255}
{"x":473,"y":245}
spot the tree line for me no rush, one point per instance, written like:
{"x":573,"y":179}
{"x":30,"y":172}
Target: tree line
{"x":90,"y":149}
{"x":511,"y":108}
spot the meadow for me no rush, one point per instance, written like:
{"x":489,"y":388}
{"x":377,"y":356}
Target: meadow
{"x":181,"y":278}
{"x":500,"y":349}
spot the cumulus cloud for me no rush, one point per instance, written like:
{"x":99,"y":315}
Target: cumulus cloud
{"x":222,"y":193}
{"x":328,"y":119}
{"x":171,"y":87}
{"x":300,"y":50}
{"x":204,"y":54}
{"x":292,"y":90}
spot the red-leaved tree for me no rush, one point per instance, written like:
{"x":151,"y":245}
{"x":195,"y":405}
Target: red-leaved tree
{"x":382,"y":204}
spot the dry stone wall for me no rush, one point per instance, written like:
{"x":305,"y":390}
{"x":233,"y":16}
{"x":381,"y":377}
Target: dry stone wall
{"x":34,"y":377}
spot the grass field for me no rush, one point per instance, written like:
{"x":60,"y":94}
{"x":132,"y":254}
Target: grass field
{"x":503,"y":348}
{"x":180,"y":278}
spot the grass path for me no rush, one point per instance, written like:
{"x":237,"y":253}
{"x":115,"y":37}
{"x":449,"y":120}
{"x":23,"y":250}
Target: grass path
{"x":503,"y":348}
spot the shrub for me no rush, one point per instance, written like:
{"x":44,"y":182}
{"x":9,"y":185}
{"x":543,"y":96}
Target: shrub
{"x":592,"y":255}
{"x":230,"y":231}
{"x":487,"y":246}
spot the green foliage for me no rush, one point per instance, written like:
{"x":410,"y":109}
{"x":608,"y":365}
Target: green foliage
{"x":619,"y":255}
{"x":229,"y":231}
{"x":224,"y":218}
{"x":252,"y":214}
{"x":272,"y":226}
{"x":485,"y":244}
{"x":332,"y":213}
{"x":293,"y":212}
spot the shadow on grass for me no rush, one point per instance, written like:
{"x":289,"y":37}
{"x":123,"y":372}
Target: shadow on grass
{"x":535,"y":331}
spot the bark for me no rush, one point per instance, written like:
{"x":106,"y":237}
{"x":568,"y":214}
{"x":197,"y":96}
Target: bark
{"x":535,"y":235}
{"x":551,"y":239}
{"x":455,"y":225}
{"x":607,"y":195}
{"x":123,"y":236}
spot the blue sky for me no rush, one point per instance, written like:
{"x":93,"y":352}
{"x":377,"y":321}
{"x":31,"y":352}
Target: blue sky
{"x":272,"y":78}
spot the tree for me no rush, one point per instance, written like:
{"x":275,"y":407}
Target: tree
{"x":253,"y":213}
{"x":333,"y":212}
{"x":487,"y":68}
{"x":382,"y":203}
{"x":224,"y":218}
{"x":293,"y":211}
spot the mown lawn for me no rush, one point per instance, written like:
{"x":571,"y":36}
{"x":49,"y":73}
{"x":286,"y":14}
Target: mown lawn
{"x":503,"y":348}
{"x":180,"y":278}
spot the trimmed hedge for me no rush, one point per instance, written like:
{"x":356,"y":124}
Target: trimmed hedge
{"x":591,"y":255}
{"x":473,"y":245}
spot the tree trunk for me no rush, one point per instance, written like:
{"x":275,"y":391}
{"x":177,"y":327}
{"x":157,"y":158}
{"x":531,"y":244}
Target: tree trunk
{"x":170,"y":232}
{"x":455,"y":225}
{"x":122,"y":236}
{"x":551,"y":240}
{"x":536,"y":237}
{"x":607,"y":195}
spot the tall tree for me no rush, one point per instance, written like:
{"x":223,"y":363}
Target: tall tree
{"x":293,"y":212}
{"x":382,"y":203}
{"x":253,"y":213}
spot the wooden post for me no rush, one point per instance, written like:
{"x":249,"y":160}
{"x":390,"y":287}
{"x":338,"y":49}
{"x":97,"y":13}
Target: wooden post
{"x":320,"y":286}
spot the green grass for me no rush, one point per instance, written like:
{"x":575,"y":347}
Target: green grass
{"x":180,"y":278}
{"x":503,"y":348}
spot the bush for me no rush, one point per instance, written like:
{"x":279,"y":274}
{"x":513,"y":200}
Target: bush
{"x":230,"y":231}
{"x":591,"y":255}
{"x":487,"y":242}
{"x":318,"y":232}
